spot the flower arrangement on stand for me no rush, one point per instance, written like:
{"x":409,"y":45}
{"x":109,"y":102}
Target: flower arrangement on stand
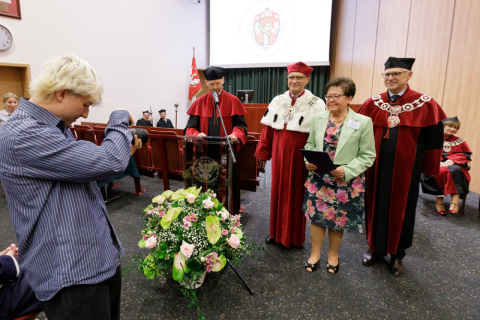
{"x":190,"y":234}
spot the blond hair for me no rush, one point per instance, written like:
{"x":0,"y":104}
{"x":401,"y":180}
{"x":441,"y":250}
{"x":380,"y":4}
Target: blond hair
{"x":67,"y":72}
{"x":8,"y":96}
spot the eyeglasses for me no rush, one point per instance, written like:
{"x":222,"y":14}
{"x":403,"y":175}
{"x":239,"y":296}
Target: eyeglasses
{"x":334,"y":97}
{"x":292,"y":78}
{"x":393,"y":74}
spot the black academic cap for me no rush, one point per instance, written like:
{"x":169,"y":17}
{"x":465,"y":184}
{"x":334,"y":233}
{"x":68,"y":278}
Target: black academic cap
{"x":214,"y":73}
{"x":455,"y":119}
{"x":146,"y":111}
{"x":405,"y":63}
{"x":162,"y":110}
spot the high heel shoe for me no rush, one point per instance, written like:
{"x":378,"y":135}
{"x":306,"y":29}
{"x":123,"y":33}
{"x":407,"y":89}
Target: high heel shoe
{"x":335,"y":269}
{"x":312,"y":266}
{"x":440,"y":212}
{"x":453,"y":210}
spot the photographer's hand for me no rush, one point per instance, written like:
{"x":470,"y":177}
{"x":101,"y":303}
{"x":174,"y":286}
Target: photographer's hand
{"x":136,"y":145}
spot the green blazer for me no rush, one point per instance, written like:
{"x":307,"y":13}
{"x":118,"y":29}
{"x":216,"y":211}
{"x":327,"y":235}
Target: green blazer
{"x":356,"y":147}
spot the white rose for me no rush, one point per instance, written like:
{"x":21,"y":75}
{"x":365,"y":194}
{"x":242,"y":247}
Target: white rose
{"x":191,"y":198}
{"x":186,"y":249}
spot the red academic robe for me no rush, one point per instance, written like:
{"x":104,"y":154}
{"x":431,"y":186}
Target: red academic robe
{"x":205,"y":118}
{"x":411,"y":145}
{"x":287,"y":219}
{"x":453,"y":179}
{"x":230,"y":106}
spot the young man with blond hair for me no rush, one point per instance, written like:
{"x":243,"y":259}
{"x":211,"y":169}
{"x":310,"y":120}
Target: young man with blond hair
{"x":68,"y":248}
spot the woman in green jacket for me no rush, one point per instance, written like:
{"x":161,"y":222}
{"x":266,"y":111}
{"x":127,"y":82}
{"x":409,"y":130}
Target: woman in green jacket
{"x":335,"y":201}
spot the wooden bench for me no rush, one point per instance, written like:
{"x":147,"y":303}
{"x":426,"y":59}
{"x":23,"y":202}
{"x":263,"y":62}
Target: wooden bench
{"x":167,"y":156}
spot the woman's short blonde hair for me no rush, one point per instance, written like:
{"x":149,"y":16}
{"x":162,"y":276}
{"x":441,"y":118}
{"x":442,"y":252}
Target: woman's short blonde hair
{"x":67,"y":72}
{"x":8,"y":96}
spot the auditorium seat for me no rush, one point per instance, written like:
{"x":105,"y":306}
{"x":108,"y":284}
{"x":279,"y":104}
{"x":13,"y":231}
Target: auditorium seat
{"x":84,"y":133}
{"x":167,"y":156}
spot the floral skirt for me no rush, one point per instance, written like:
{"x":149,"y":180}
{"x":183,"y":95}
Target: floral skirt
{"x":333,"y":203}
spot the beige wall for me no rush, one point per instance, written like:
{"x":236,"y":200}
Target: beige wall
{"x":441,"y":34}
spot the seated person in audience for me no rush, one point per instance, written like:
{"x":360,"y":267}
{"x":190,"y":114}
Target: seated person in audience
{"x":146,"y":121}
{"x":453,"y":178}
{"x":11,"y":103}
{"x":16,"y":296}
{"x":164,"y":122}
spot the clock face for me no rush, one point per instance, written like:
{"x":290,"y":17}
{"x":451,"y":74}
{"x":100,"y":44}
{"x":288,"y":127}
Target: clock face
{"x":5,"y":38}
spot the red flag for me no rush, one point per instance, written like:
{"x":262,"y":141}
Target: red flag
{"x":195,"y":85}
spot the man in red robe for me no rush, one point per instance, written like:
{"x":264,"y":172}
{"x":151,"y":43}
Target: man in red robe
{"x":408,"y":133}
{"x":287,"y":126}
{"x":205,"y":121}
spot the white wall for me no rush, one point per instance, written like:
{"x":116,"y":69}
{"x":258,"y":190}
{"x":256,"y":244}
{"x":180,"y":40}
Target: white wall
{"x":141,"y":49}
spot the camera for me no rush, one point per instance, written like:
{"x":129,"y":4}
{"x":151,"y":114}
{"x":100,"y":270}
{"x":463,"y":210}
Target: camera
{"x":142,"y":134}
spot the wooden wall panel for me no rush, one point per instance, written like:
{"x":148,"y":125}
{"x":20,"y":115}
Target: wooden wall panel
{"x":14,"y":78}
{"x":343,"y":30}
{"x":429,"y":41}
{"x":392,"y":34}
{"x":366,"y":21}
{"x":463,"y":80}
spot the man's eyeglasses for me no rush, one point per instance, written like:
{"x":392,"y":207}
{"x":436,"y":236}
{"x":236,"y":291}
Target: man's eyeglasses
{"x":334,"y":97}
{"x":393,"y":74}
{"x":292,"y":78}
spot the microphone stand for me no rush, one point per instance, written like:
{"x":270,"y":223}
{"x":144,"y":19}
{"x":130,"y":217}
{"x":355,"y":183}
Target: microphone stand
{"x":231,"y":164}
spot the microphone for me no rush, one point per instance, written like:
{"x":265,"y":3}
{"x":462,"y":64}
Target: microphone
{"x":215,"y":96}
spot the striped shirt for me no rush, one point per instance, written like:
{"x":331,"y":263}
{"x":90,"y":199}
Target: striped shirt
{"x":60,"y":219}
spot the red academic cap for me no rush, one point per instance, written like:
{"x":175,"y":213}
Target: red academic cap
{"x":300,"y":67}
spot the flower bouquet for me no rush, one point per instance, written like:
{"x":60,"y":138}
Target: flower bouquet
{"x":190,"y":234}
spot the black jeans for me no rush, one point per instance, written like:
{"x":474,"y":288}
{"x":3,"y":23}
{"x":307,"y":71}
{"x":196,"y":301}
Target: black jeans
{"x":90,"y":301}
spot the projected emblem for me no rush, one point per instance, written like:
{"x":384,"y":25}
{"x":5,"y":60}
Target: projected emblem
{"x":266,"y":28}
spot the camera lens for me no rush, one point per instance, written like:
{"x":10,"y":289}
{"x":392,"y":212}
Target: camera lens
{"x":142,"y":134}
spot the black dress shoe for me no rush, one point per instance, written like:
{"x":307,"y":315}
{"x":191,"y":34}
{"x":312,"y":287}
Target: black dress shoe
{"x":269,"y":240}
{"x":368,"y":258}
{"x":396,"y":267}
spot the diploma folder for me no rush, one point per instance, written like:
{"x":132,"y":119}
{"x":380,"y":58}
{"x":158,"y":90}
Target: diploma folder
{"x":320,"y":159}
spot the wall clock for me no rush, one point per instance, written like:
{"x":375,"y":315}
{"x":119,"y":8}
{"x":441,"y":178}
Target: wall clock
{"x":5,"y":38}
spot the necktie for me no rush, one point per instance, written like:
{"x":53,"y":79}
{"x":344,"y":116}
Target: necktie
{"x":394,"y":98}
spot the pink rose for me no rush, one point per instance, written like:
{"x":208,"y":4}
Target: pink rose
{"x":214,"y":195}
{"x":161,"y":213}
{"x":208,"y":204}
{"x":224,"y":215}
{"x":307,"y":183}
{"x":329,"y":214}
{"x":237,"y":224}
{"x":327,"y":180}
{"x":321,"y":206}
{"x":187,"y":249}
{"x":341,"y":221}
{"x":160,"y":200}
{"x":342,"y":196}
{"x":191,"y":198}
{"x":312,"y":188}
{"x":149,"y":212}
{"x":151,"y":242}
{"x":310,"y":209}
{"x":233,"y":241}
{"x":225,"y":232}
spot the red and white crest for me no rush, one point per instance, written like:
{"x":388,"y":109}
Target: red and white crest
{"x":266,"y":28}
